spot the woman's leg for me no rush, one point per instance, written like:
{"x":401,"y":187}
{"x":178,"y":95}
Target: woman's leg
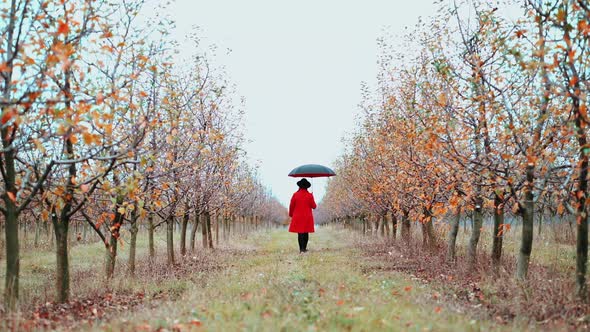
{"x":300,"y":240}
{"x":305,"y":239}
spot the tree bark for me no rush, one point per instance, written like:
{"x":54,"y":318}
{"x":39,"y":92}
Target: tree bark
{"x":60,"y":228}
{"x":111,"y":257}
{"x":184,"y":226}
{"x":194,"y":231}
{"x":429,"y":238}
{"x":170,"y":240}
{"x":37,"y":233}
{"x":12,"y":257}
{"x":111,"y":248}
{"x":405,"y":231}
{"x":526,"y":243}
{"x":209,"y":232}
{"x":9,"y":176}
{"x":394,"y":225}
{"x":204,"y":230}
{"x":475,"y":233}
{"x":451,"y":243}
{"x":134,"y":229}
{"x":582,"y":211}
{"x":151,"y":244}
{"x":385,"y":224}
{"x":217,"y":219}
{"x":498,"y":230}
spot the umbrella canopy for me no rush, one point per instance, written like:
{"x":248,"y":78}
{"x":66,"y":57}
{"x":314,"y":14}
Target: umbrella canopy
{"x":311,"y":171}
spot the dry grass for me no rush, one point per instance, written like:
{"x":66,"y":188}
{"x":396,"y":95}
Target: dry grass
{"x":545,"y":300}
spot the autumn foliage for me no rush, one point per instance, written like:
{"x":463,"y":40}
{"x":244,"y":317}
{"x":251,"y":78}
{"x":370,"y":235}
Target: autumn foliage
{"x":104,"y":125}
{"x":476,"y":115}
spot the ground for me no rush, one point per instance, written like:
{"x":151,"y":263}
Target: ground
{"x":262,"y":283}
{"x":271,"y":287}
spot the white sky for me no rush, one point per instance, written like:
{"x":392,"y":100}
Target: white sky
{"x":299,"y":65}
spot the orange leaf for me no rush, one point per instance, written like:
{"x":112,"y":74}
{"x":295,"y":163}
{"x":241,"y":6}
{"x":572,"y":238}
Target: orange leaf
{"x":62,"y":27}
{"x":73,"y":139}
{"x":408,"y":288}
{"x":442,"y":99}
{"x":88,"y":138}
{"x":560,"y":209}
{"x":340,"y":302}
{"x":99,"y":98}
{"x":438,"y":310}
{"x":6,"y":116}
{"x":583,"y":111}
{"x":11,"y":196}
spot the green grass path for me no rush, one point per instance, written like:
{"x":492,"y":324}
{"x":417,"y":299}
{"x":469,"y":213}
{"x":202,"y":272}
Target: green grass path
{"x":274,"y":288}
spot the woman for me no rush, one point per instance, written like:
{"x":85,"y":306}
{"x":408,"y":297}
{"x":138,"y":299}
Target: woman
{"x":300,"y":212}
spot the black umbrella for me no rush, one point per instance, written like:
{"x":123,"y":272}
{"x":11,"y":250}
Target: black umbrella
{"x":311,"y":171}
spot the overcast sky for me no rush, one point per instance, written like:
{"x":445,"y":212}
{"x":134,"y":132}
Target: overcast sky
{"x":299,"y":66}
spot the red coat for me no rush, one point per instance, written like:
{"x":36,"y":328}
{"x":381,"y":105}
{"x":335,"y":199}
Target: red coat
{"x":300,"y":212}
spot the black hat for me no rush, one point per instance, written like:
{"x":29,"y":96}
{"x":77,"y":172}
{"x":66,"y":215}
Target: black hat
{"x":303,"y":183}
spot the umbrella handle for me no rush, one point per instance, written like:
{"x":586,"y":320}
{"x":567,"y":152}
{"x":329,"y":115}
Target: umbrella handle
{"x":312,"y":185}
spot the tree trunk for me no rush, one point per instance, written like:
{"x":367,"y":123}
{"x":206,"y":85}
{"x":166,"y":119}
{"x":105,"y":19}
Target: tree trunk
{"x":184,"y":226}
{"x":394,"y":225}
{"x":209,"y":232}
{"x":429,"y":238}
{"x":151,"y":244}
{"x":111,"y":256}
{"x":37,"y":233}
{"x":386,"y":224}
{"x":364,"y":225}
{"x":405,"y":231}
{"x":526,"y":243}
{"x":170,"y":240}
{"x":194,"y":232}
{"x":116,"y":223}
{"x":217,"y":219}
{"x":582,"y":211}
{"x":12,"y":257}
{"x":62,"y":267}
{"x":11,"y":213}
{"x":475,"y":233}
{"x":85,"y":233}
{"x":133,"y":240}
{"x":204,"y":230}
{"x":498,"y":230}
{"x":452,"y":241}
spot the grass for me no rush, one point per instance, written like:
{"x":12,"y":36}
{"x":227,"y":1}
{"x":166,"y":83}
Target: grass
{"x":262,"y":283}
{"x":546,"y":250}
{"x":87,"y":261}
{"x":274,"y":288}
